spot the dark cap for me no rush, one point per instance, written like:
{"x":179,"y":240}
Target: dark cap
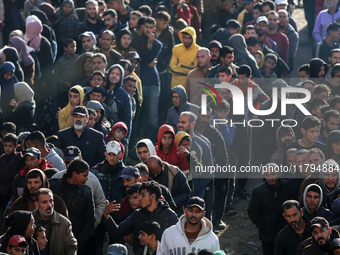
{"x":72,"y":152}
{"x":33,"y":152}
{"x":215,"y":44}
{"x":319,"y":222}
{"x":99,"y":89}
{"x":132,"y":55}
{"x":196,"y":201}
{"x":81,"y":110}
{"x":16,"y":240}
{"x":333,"y":137}
{"x":129,"y":171}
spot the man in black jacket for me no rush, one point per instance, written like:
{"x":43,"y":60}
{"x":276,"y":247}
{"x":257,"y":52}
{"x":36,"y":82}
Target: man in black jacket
{"x":89,"y":141}
{"x":152,"y":209}
{"x":79,"y":201}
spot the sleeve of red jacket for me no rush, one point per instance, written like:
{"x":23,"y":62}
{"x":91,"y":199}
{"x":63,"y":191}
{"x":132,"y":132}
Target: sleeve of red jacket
{"x":184,"y":15}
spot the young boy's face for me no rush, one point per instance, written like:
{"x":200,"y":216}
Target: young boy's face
{"x":92,"y":120}
{"x":166,"y":140}
{"x":99,"y":115}
{"x":161,"y":24}
{"x":16,"y":250}
{"x":74,"y":98}
{"x":256,"y":13}
{"x":270,"y":64}
{"x":9,"y":148}
{"x":8,"y":76}
{"x":118,"y":134}
{"x":224,"y":93}
{"x":250,"y":33}
{"x":71,"y":48}
{"x":258,"y":58}
{"x":223,"y":77}
{"x":185,"y":144}
{"x":303,"y":75}
{"x":134,"y":201}
{"x":42,"y":240}
{"x":97,"y":80}
{"x":144,"y":238}
{"x":133,"y":21}
{"x":221,"y":114}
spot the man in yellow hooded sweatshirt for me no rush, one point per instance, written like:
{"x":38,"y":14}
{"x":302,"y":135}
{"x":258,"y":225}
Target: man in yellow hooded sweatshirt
{"x":183,"y":56}
{"x":75,"y":97}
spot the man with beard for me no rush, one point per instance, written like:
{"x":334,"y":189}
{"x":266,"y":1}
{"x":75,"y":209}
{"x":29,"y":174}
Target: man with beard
{"x":264,"y":207}
{"x":193,"y":232}
{"x":215,"y":48}
{"x":92,"y":23}
{"x":330,"y":122}
{"x":112,"y":23}
{"x":106,"y":42}
{"x":297,"y":230}
{"x":329,"y":182}
{"x":284,"y":136}
{"x":89,"y":141}
{"x":333,"y":59}
{"x":261,"y":28}
{"x":322,"y":235}
{"x":88,"y":41}
{"x":54,"y":223}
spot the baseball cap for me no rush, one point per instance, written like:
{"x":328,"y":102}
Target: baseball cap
{"x":132,"y":55}
{"x":72,"y":152}
{"x":278,"y":2}
{"x":319,"y":222}
{"x":129,"y":171}
{"x":247,"y":1}
{"x":33,"y":152}
{"x":215,"y":44}
{"x":196,"y":201}
{"x":87,"y":33}
{"x":116,"y":249}
{"x":16,"y":240}
{"x":262,"y":18}
{"x":81,"y":110}
{"x":114,"y":147}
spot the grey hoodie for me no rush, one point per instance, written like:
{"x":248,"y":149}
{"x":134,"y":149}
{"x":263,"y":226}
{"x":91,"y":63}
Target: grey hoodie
{"x":279,"y":154}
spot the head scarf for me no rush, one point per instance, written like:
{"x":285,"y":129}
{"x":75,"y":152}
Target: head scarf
{"x":33,"y":31}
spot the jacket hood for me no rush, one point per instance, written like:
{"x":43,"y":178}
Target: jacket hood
{"x":109,"y":136}
{"x":150,"y":146}
{"x":17,"y":222}
{"x":120,"y":83}
{"x":179,"y":136}
{"x":280,"y":146}
{"x":239,"y":44}
{"x":315,"y":66}
{"x":305,"y":194}
{"x":164,"y":128}
{"x":191,"y":31}
{"x":45,"y":184}
{"x":23,"y":92}
{"x":79,"y":65}
{"x":205,"y":223}
{"x":179,"y":89}
{"x":81,"y":93}
{"x":95,"y":105}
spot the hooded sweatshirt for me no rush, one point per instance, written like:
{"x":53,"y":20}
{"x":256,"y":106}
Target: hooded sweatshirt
{"x":99,"y":126}
{"x":174,"y":239}
{"x":119,"y":100}
{"x":118,"y":47}
{"x":109,"y":136}
{"x":183,"y":60}
{"x":320,"y":210}
{"x":278,"y":155}
{"x":7,"y":86}
{"x":65,"y":118}
{"x":175,"y":112}
{"x":242,"y":56}
{"x":150,"y":146}
{"x":172,"y":157}
{"x":315,"y":66}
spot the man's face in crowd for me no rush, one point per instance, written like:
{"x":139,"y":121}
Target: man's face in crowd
{"x":334,"y":58}
{"x":98,"y":64}
{"x":261,"y":28}
{"x":332,"y":124}
{"x":115,"y":75}
{"x":330,"y":177}
{"x":81,"y":178}
{"x":194,"y":215}
{"x":106,"y":41}
{"x":45,"y":204}
{"x":187,"y":40}
{"x":202,"y":59}
{"x":283,"y":19}
{"x":184,"y":123}
{"x":112,"y":158}
{"x":148,"y":28}
{"x":312,"y":200}
{"x":286,"y":138}
{"x":79,"y":121}
{"x":33,"y":185}
{"x":31,"y":162}
{"x":253,"y":49}
{"x":30,"y":228}
{"x":127,"y":183}
{"x":204,"y":120}
{"x":143,"y":153}
{"x":176,"y":99}
{"x":301,"y":162}
{"x":315,"y":159}
{"x":335,"y":147}
{"x":88,"y":43}
{"x":266,"y":9}
{"x":272,"y":20}
{"x":130,"y":87}
{"x":303,"y":75}
{"x":74,"y":98}
{"x":228,"y":59}
{"x":92,"y":120}
{"x":311,"y":134}
{"x":256,"y":13}
{"x":321,"y":235}
{"x":293,"y":217}
{"x":110,"y":22}
{"x":96,"y":96}
{"x":144,"y":238}
{"x":91,"y":11}
{"x":133,"y":21}
{"x":272,"y":178}
{"x":290,"y":158}
{"x":134,"y":201}
{"x":215,"y":54}
{"x":322,"y":72}
{"x":250,"y":33}
{"x":145,"y":199}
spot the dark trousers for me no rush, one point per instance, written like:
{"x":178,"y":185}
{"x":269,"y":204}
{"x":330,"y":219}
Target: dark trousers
{"x":309,"y":8}
{"x":221,"y":193}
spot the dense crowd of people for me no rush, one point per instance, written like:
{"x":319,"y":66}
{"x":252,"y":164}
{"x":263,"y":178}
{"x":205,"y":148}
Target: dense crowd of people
{"x":113,"y":114}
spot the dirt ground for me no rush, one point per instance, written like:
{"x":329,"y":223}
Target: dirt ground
{"x":241,"y":236}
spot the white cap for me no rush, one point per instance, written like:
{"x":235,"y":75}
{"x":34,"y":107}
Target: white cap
{"x":278,"y":2}
{"x":113,"y":146}
{"x":262,"y":18}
